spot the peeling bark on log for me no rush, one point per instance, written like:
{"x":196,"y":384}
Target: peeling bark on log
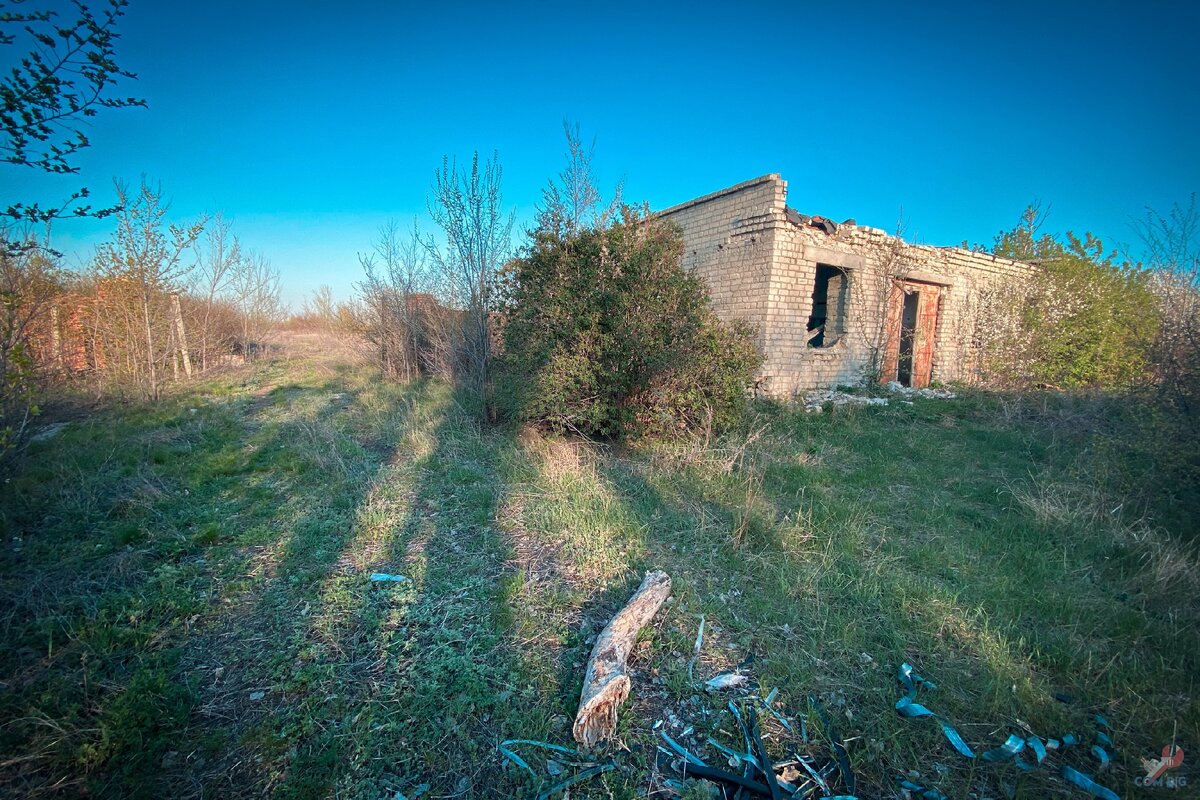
{"x":605,"y":685}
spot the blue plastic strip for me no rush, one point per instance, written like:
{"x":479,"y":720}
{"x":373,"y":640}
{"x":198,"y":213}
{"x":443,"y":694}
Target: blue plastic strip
{"x":1084,"y":782}
{"x":741,"y":758}
{"x":835,"y":741}
{"x":908,"y":706}
{"x":1015,"y":748}
{"x":921,"y":791}
{"x":1013,"y":745}
{"x":1035,"y":745}
{"x":511,"y":755}
{"x":587,"y":774}
{"x":681,"y":750}
{"x":516,"y":759}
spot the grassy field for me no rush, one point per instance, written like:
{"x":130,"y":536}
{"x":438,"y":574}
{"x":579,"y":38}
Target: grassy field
{"x":186,"y":609}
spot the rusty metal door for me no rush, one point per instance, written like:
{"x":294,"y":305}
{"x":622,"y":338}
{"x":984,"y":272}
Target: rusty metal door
{"x":925,"y":335}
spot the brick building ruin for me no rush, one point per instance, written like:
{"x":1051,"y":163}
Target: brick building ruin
{"x":839,"y":304}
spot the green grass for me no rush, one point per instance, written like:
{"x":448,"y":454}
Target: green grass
{"x":186,"y":608}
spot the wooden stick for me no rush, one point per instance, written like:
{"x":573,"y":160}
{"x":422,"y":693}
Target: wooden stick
{"x":605,"y":685}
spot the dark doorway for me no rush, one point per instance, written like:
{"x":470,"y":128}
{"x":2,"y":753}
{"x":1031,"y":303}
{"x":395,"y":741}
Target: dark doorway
{"x":911,"y":330}
{"x":908,"y":335}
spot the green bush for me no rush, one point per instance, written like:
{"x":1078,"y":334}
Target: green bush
{"x":606,"y":334}
{"x":1092,"y":321}
{"x":1086,"y":321}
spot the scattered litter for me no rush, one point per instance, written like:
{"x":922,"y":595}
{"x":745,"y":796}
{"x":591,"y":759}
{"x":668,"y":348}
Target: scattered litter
{"x":916,"y":790}
{"x":726,"y":680}
{"x":553,"y":768}
{"x":896,"y":387}
{"x":1027,"y":753}
{"x":379,"y":577}
{"x":586,"y":775}
{"x":257,"y":695}
{"x":814,"y":402}
{"x":508,"y":752}
{"x":779,"y":717}
{"x":760,"y":774}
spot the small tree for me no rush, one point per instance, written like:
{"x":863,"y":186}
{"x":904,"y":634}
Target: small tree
{"x":574,"y":202}
{"x":144,"y":264}
{"x":62,"y":71}
{"x":469,"y":208}
{"x":29,"y":282}
{"x":1172,"y":243}
{"x":219,"y":259}
{"x":320,"y":309}
{"x":405,"y":325}
{"x":605,"y":333}
{"x":256,"y":294}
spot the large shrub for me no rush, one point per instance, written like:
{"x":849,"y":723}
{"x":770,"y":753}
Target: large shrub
{"x":606,"y":334}
{"x":1086,"y":320}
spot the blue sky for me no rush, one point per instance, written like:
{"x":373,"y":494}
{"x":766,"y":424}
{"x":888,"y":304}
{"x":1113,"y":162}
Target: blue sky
{"x":310,"y":124}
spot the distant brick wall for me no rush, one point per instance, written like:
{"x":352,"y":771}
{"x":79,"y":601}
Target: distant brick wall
{"x":761,"y":267}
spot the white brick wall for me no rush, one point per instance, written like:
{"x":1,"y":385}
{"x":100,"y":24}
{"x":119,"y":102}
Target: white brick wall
{"x":760,"y":268}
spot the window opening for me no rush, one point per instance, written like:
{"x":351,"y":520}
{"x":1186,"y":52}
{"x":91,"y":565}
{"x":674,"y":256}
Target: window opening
{"x":827,"y":322}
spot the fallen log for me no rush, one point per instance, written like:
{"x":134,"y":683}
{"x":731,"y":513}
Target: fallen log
{"x":605,"y":684}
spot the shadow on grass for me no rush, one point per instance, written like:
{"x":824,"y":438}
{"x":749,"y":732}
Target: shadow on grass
{"x":173,"y":565}
{"x":829,"y":579}
{"x":163,"y":551}
{"x":378,"y":687}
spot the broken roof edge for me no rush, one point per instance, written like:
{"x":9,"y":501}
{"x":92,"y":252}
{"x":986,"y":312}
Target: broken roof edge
{"x":775,"y":177}
{"x":768,"y":178}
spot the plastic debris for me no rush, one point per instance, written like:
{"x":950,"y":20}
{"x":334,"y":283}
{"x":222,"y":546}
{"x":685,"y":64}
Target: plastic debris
{"x":384,"y":577}
{"x":696,"y":648}
{"x":916,"y":790}
{"x":586,"y":775}
{"x":726,"y":680}
{"x":1015,"y":747}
